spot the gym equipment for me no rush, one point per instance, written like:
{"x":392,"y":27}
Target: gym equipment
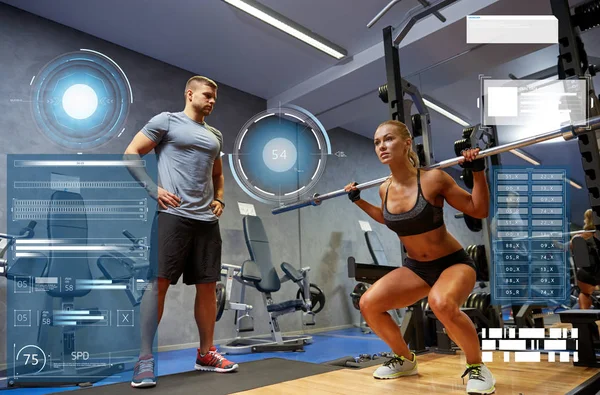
{"x":573,"y":63}
{"x":116,"y":266}
{"x":467,"y":177}
{"x":412,"y":323}
{"x":585,"y":322}
{"x":474,"y":224}
{"x":379,"y":258}
{"x":360,"y":361}
{"x":27,"y":266}
{"x":357,"y":293}
{"x":220,"y":300}
{"x":243,"y":319}
{"x":468,"y":140}
{"x":477,"y":253}
{"x":317,"y":298}
{"x":424,"y":3}
{"x":567,"y":132}
{"x":259,"y":272}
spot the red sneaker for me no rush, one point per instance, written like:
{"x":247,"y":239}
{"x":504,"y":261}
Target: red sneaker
{"x":212,"y":361}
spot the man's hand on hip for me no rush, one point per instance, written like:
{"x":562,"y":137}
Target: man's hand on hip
{"x":217,"y":207}
{"x":166,"y":198}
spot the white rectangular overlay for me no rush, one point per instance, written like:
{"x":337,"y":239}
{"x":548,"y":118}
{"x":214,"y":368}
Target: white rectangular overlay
{"x":512,"y":29}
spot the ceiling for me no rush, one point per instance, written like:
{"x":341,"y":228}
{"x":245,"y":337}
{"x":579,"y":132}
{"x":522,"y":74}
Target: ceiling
{"x":215,"y":39}
{"x":212,"y":38}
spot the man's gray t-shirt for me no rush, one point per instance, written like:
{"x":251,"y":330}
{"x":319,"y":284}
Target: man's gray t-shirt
{"x":186,"y":152}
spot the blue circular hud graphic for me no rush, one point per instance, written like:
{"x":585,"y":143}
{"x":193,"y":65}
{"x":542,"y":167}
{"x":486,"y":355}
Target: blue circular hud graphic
{"x":81,"y":100}
{"x":280,"y":154}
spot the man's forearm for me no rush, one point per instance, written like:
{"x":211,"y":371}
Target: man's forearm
{"x":219,"y":186}
{"x":140,"y":174}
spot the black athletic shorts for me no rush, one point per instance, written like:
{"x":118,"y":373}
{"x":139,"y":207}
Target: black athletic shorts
{"x":591,"y":277}
{"x":430,"y":271}
{"x":187,"y":247}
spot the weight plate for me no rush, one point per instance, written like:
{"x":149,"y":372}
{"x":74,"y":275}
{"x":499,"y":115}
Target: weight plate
{"x":476,"y":257}
{"x":317,"y":298}
{"x":357,"y":293}
{"x":480,"y":299}
{"x":221,"y":300}
{"x":467,"y":177}
{"x":470,"y":300}
{"x":487,"y":300}
{"x":473,"y":303}
{"x":483,"y":264}
{"x":474,"y":224}
{"x":476,"y":300}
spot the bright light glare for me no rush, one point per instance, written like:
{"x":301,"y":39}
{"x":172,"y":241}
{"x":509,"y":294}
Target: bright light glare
{"x":80,"y":101}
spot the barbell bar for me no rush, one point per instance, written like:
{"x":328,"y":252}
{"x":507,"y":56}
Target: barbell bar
{"x":566,"y":132}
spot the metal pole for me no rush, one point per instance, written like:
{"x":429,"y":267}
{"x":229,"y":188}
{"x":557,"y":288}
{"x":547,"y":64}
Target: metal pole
{"x":394,"y":77}
{"x":382,"y":12}
{"x":425,"y":13}
{"x":439,"y":16}
{"x":567,"y":133}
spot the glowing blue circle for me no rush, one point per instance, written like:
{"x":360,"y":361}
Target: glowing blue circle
{"x":67,"y":113}
{"x":80,"y":101}
{"x":280,"y":154}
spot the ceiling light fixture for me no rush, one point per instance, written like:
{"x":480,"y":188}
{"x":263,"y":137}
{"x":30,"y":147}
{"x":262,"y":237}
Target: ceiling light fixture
{"x":524,"y":156}
{"x":446,"y":113}
{"x":284,"y":24}
{"x":574,"y":184}
{"x":533,"y":161}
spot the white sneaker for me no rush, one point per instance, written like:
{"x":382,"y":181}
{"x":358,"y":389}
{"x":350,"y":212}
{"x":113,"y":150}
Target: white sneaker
{"x":481,"y":380}
{"x":397,"y":367}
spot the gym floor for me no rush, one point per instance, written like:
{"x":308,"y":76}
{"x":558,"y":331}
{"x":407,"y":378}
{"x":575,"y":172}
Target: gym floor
{"x":438,"y":373}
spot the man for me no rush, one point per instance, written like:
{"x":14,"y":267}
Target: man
{"x":190,"y":199}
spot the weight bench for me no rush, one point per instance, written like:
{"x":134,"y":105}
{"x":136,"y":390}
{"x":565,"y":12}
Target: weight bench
{"x":585,"y":322}
{"x":259,"y":273}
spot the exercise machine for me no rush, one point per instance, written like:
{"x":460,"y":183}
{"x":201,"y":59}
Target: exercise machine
{"x":259,"y":273}
{"x":379,"y":258}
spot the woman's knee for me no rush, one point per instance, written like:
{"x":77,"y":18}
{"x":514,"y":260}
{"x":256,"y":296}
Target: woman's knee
{"x":442,"y":306}
{"x":369,"y":303}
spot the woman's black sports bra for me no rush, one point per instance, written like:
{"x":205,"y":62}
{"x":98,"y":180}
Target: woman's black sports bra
{"x":422,"y":218}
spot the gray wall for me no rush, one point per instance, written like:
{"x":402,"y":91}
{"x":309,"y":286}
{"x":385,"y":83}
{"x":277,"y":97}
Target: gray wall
{"x":320,"y":237}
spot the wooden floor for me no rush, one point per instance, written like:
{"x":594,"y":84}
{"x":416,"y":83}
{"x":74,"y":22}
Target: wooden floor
{"x":440,"y":374}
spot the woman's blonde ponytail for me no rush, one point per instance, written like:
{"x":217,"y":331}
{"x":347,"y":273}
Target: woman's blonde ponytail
{"x":588,"y":220}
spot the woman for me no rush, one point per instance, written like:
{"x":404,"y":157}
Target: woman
{"x":589,"y":278}
{"x":437,"y":266}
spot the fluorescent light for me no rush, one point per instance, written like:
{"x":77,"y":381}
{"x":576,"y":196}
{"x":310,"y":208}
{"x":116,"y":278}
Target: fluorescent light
{"x":573,"y":183}
{"x":529,"y":159}
{"x":524,"y":156}
{"x":272,"y":18}
{"x":446,"y":113}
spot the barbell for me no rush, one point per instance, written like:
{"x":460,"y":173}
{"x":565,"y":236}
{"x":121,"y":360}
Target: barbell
{"x":566,"y":132}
